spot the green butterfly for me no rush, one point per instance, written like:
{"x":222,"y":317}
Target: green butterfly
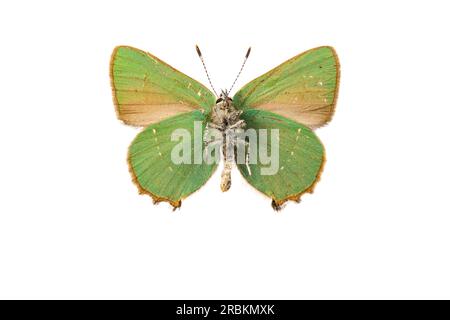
{"x":294,"y":98}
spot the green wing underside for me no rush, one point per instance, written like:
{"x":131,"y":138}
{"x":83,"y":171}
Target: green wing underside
{"x":147,"y":90}
{"x":151,"y":165}
{"x":303,"y":88}
{"x":301,"y":157}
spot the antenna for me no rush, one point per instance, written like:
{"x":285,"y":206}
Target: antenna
{"x":206,"y":70}
{"x":242,"y":67}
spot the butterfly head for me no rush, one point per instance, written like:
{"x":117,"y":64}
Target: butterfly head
{"x":224,"y":99}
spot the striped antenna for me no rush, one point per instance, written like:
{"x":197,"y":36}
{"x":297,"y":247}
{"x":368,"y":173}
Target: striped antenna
{"x":242,"y":67}
{"x":206,"y":70}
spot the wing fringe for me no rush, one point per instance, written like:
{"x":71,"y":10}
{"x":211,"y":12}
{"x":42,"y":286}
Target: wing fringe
{"x":277,"y":205}
{"x":156,"y":199}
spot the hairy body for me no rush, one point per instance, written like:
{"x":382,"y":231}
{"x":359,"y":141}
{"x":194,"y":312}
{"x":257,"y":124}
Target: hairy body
{"x":225,"y":119}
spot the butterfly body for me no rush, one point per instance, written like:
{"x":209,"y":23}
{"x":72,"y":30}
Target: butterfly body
{"x":289,"y":102}
{"x":226,"y":119}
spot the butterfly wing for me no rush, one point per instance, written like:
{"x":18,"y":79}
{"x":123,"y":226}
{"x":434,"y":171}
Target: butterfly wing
{"x":301,"y":158}
{"x":303,"y":88}
{"x":147,"y":90}
{"x":151,"y":165}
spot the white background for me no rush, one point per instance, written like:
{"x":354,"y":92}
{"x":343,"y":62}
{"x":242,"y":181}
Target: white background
{"x":72,"y":224}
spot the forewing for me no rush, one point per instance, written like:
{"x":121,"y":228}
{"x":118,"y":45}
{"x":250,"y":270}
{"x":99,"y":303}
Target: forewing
{"x":301,"y":158}
{"x":151,"y":165}
{"x":147,"y":90}
{"x":303,"y":88}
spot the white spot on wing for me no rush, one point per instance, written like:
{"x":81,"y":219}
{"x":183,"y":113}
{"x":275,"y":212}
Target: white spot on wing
{"x":298,"y":134}
{"x":248,"y":169}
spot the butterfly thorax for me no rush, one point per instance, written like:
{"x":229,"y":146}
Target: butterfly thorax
{"x":226,"y":119}
{"x":224,"y":114}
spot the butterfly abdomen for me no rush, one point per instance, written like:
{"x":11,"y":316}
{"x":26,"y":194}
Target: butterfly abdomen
{"x":225,"y":183}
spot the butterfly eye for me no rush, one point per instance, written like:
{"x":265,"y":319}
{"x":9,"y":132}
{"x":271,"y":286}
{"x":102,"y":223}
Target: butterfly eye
{"x":219,"y":100}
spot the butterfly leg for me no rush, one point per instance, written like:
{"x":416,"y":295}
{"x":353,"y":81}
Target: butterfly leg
{"x":212,"y":132}
{"x":212,"y":141}
{"x":247,"y":163}
{"x":238,"y":125}
{"x":215,"y":126}
{"x":241,"y":141}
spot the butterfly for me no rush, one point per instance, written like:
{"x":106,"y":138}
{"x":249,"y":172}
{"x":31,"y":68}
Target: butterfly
{"x":294,"y":98}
